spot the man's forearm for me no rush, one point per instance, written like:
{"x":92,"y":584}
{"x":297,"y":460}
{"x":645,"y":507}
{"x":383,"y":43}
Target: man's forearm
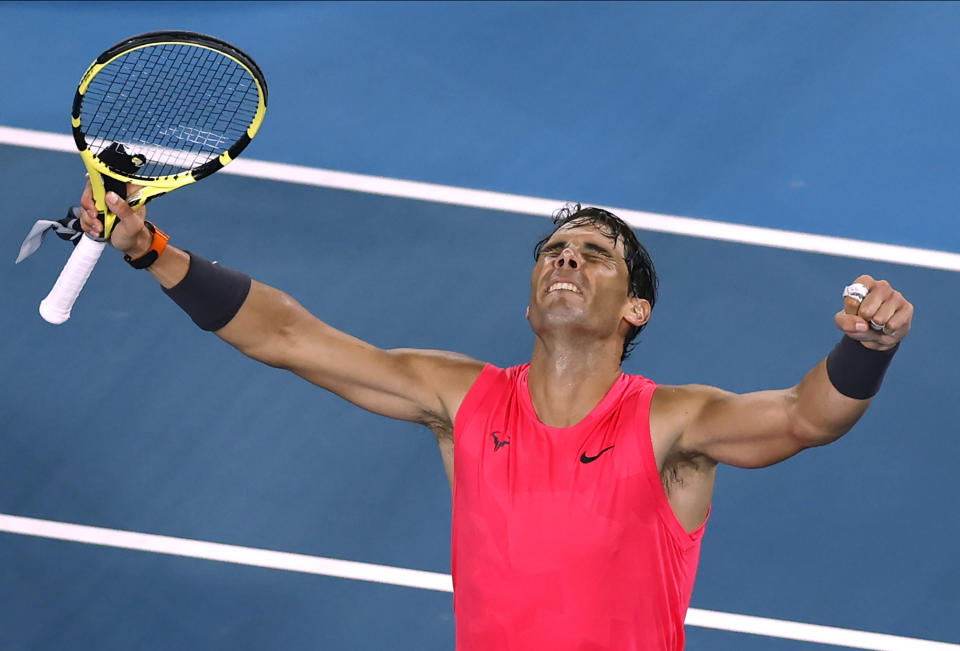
{"x":833,"y":396}
{"x":823,"y":413}
{"x":171,"y":267}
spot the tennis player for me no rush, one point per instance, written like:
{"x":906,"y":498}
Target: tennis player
{"x":580,"y":493}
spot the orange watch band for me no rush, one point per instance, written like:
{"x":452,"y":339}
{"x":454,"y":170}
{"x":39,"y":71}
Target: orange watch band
{"x":157,"y":246}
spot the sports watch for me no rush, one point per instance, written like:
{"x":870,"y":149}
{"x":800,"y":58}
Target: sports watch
{"x":157,"y":246}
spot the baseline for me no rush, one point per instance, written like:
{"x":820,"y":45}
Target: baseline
{"x":437,"y":581}
{"x":488,"y":200}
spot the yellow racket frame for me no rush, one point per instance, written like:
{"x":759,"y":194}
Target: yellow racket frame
{"x":151,"y":188}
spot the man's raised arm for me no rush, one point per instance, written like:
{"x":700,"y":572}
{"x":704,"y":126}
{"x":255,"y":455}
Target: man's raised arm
{"x":270,"y":326}
{"x":765,"y":427}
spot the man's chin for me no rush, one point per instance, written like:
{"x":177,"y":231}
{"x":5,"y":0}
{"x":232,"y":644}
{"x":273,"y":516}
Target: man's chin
{"x":559,"y":320}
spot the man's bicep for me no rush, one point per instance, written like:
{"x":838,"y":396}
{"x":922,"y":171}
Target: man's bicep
{"x":407,"y":384}
{"x":423,"y":386}
{"x":750,"y":430}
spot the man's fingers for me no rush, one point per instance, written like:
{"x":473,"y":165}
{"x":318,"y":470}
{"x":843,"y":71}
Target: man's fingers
{"x":129,"y":223}
{"x":858,"y":329}
{"x":86,"y":199}
{"x":899,"y":323}
{"x":851,"y":324}
{"x":855,"y":293}
{"x":118,"y":206}
{"x":886,"y":309}
{"x":123,"y":210}
{"x":884,"y":314}
{"x":880,"y":294}
{"x":850,"y":305}
{"x":874,"y":313}
{"x":89,"y":223}
{"x":88,"y":216}
{"x":865,"y":297}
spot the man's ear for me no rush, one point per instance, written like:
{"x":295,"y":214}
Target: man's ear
{"x":638,"y":311}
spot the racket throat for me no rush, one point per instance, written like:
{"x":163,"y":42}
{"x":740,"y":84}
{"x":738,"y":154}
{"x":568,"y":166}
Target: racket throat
{"x":117,"y":158}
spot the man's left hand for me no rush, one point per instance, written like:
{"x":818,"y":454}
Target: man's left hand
{"x":884,"y":307}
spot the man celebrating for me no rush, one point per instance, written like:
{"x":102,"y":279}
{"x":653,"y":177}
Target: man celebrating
{"x":580,"y":493}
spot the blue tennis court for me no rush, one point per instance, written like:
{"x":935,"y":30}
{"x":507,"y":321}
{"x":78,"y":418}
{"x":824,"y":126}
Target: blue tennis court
{"x":823,"y":119}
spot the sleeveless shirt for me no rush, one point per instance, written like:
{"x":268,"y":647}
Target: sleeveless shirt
{"x":563,"y":538}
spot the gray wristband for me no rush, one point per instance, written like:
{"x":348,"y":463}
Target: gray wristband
{"x":855,"y":370}
{"x":210,"y":293}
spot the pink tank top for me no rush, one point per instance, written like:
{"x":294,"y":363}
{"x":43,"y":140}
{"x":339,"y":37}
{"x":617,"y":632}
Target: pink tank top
{"x":563,"y":538}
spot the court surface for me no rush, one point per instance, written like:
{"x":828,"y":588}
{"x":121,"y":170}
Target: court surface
{"x":832,"y":120}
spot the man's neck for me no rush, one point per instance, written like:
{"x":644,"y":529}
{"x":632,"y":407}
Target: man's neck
{"x":567,"y":380}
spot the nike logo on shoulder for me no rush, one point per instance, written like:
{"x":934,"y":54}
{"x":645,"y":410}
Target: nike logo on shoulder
{"x":585,"y":459}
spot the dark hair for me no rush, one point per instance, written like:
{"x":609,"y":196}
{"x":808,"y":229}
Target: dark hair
{"x":642,"y":276}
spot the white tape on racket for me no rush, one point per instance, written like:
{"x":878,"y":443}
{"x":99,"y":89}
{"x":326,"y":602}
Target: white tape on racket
{"x":55,"y":308}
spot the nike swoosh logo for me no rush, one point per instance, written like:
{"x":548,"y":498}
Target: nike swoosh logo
{"x":585,"y":459}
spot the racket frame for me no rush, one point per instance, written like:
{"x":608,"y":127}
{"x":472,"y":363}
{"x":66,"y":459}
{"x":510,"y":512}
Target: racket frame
{"x":155,"y":186}
{"x":56,"y":307}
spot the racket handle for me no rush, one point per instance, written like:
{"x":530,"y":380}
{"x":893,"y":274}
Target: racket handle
{"x":55,"y":308}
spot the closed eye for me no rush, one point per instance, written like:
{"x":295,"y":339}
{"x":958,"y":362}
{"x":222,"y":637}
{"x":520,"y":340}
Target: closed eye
{"x":588,"y":247}
{"x":597,"y":252}
{"x":553,"y":249}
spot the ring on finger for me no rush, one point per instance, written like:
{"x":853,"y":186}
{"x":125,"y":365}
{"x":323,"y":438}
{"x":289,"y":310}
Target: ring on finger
{"x":882,"y":327}
{"x":856,"y":291}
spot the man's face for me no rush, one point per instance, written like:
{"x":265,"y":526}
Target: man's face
{"x":581,"y":281}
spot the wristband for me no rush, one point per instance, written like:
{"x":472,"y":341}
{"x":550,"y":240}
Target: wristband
{"x":210,"y":293}
{"x":857,"y":371}
{"x":157,"y":246}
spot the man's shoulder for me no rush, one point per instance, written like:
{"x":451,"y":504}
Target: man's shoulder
{"x":675,"y":405}
{"x":442,"y":361}
{"x":447,"y":374}
{"x":684,"y":393}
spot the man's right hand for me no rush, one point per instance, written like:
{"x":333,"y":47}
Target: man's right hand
{"x":129,"y":234}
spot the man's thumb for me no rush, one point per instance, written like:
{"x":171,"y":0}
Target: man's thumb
{"x":850,"y":323}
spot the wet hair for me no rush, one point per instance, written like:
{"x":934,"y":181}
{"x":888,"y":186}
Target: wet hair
{"x":642,"y":277}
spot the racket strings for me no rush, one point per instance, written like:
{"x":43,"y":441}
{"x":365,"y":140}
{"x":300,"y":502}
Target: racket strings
{"x":179,"y":105}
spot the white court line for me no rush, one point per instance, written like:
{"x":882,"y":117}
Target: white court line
{"x":702,"y":228}
{"x":146,"y":542}
{"x":431,"y":581}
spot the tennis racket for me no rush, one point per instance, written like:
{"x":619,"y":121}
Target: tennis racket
{"x":160,"y":110}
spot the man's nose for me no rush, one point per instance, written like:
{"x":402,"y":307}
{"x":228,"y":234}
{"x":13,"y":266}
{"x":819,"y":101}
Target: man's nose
{"x":567,"y":257}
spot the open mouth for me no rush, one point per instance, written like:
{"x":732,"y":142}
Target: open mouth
{"x":563,"y":287}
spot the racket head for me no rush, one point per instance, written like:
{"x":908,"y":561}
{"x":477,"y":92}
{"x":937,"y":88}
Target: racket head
{"x":181,"y":105}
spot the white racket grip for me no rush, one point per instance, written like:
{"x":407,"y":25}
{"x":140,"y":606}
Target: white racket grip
{"x":55,"y":308}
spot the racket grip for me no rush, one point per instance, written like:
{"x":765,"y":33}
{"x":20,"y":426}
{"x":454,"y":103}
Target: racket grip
{"x":55,"y":308}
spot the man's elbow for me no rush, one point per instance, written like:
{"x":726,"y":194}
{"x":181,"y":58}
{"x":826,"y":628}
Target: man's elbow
{"x":812,"y":435}
{"x":272,"y":336}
